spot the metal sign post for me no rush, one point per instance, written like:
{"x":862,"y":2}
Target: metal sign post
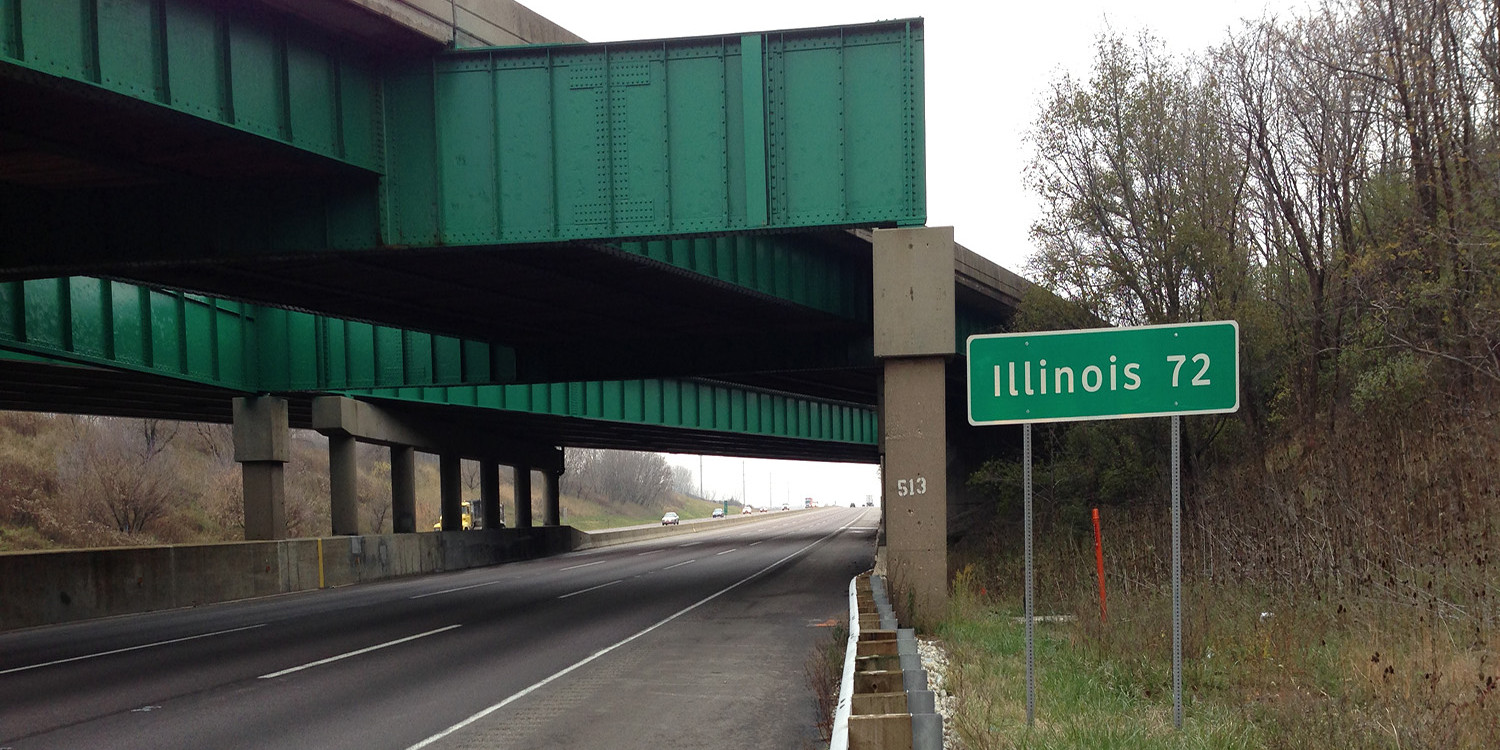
{"x":1030,"y":611}
{"x":1105,"y":373}
{"x":1177,"y":571}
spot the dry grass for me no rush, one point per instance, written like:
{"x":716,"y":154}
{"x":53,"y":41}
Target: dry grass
{"x":825,"y":674}
{"x":1343,"y":592}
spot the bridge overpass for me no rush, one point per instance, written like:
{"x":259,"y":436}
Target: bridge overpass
{"x":292,"y":214}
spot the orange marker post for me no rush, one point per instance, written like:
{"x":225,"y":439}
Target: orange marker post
{"x":1099,"y":558}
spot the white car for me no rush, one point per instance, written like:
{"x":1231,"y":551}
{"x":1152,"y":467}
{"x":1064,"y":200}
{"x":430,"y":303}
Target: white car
{"x":718,"y":513}
{"x":670,"y":519}
{"x":747,"y":511}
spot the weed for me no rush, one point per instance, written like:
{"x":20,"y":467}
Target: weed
{"x":825,"y":673}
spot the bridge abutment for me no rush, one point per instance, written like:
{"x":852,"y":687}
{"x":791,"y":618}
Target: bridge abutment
{"x":914,"y":339}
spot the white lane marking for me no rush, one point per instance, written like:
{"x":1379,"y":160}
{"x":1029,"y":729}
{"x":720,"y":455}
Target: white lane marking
{"x":585,"y":565}
{"x":591,"y":588}
{"x":649,"y":552}
{"x":364,"y":650}
{"x":725,"y":552}
{"x":689,"y":544}
{"x":460,"y":588}
{"x":144,"y":709}
{"x":752,"y":544}
{"x":131,"y":648}
{"x":678,"y":565}
{"x":586,"y":660}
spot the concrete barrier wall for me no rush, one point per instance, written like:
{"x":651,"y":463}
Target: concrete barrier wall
{"x":46,"y":588}
{"x":607,"y":538}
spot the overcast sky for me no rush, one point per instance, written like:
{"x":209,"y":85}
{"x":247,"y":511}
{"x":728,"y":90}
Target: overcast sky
{"x":988,"y":65}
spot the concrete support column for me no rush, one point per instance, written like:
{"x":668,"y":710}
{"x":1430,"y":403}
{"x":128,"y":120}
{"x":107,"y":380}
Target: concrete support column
{"x":264,"y":485}
{"x":450,"y":491}
{"x":552,"y":509}
{"x":343,"y":484}
{"x":403,"y":489}
{"x":261,"y":447}
{"x":489,"y":492}
{"x":523,"y":497}
{"x":915,"y":337}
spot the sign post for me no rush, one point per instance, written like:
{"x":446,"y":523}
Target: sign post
{"x":1106,"y":373}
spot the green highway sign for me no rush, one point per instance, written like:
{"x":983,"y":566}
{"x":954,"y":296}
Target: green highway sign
{"x":1104,"y":373}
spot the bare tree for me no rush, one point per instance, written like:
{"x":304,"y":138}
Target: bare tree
{"x":621,"y":476}
{"x":1139,"y":194}
{"x":121,"y":475}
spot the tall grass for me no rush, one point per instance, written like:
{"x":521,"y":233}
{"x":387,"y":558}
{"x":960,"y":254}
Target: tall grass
{"x":1265,"y":665}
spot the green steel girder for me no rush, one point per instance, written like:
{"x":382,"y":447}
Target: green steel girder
{"x":774,"y":131}
{"x":239,"y":69}
{"x":686,"y":404}
{"x":674,"y":150}
{"x":230,"y":344}
{"x":784,"y":267}
{"x":247,"y":348}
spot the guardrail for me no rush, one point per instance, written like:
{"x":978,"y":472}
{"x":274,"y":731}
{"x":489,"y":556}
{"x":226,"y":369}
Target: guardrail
{"x":884,"y":702}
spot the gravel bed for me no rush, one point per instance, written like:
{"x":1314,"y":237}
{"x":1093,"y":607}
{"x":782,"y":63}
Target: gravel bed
{"x":935,"y":661}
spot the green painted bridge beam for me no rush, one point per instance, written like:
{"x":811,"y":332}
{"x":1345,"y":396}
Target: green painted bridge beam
{"x":251,"y":349}
{"x":243,"y":70}
{"x":775,"y":131}
{"x":787,"y":267}
{"x":230,"y":344}
{"x":698,"y":405}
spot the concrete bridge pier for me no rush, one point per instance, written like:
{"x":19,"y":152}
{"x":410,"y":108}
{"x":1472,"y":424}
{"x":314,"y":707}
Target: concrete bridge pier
{"x":552,"y":508}
{"x":451,"y":490}
{"x":523,"y":496}
{"x":343,"y":484}
{"x":347,"y":422}
{"x":261,"y":436}
{"x":403,"y":489}
{"x":914,"y":339}
{"x":489,"y":491}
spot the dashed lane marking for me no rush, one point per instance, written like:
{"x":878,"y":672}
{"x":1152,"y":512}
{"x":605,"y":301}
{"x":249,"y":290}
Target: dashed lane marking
{"x":678,"y":565}
{"x":131,"y":648}
{"x":364,"y":650}
{"x":460,"y":588}
{"x":591,"y":588}
{"x":585,"y":565}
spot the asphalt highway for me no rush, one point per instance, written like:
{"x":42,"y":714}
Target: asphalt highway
{"x":697,"y":641}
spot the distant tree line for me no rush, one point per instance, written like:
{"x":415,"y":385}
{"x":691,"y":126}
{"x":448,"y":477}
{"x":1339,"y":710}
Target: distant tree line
{"x":628,"y":477}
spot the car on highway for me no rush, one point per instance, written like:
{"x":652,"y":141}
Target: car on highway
{"x":718,"y":513}
{"x":670,"y":519}
{"x":784,"y":506}
{"x":747,"y":511}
